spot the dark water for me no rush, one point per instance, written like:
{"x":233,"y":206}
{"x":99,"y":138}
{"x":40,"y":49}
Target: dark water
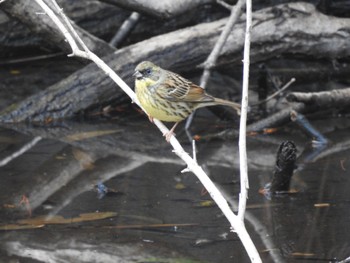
{"x":155,"y":212}
{"x":113,"y":191}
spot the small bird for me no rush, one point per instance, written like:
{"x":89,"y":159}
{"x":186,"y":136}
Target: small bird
{"x":169,"y":97}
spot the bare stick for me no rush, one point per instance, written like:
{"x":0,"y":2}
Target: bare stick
{"x":192,"y":165}
{"x":276,"y":93}
{"x":243,"y":123}
{"x":125,"y":29}
{"x":224,"y":4}
{"x":211,"y":60}
{"x":277,"y":118}
{"x":213,"y":56}
{"x":21,"y":151}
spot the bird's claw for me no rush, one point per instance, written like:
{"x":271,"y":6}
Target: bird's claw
{"x":168,"y":135}
{"x":150,"y":119}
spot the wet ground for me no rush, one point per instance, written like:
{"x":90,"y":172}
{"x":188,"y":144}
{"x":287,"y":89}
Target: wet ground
{"x":86,"y":193}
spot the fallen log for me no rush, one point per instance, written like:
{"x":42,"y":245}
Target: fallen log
{"x":99,"y":19}
{"x":329,"y":99}
{"x":28,"y":12}
{"x":278,"y":30}
{"x":164,"y":9}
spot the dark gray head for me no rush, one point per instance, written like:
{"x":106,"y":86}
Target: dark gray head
{"x":147,"y":69}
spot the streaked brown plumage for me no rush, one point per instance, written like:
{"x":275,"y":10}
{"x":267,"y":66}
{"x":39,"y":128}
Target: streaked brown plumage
{"x":169,"y":97}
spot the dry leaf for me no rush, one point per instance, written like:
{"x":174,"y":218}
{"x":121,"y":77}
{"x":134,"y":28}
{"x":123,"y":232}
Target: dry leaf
{"x":206,"y":203}
{"x":322,"y":205}
{"x":180,"y":186}
{"x":18,"y":227}
{"x":45,"y":220}
{"x":15,"y":71}
{"x":88,"y":135}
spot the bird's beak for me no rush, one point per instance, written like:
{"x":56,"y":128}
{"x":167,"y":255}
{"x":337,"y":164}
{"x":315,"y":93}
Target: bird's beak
{"x":137,"y":74}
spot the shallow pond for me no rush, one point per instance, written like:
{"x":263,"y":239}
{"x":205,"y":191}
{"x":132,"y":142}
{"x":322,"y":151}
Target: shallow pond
{"x":88,"y":192}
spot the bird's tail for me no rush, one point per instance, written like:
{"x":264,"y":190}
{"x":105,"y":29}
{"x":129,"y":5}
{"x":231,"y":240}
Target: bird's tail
{"x":234,"y":105}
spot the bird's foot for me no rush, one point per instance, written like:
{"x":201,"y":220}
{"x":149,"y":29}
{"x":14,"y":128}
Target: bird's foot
{"x":168,"y":135}
{"x":150,"y":119}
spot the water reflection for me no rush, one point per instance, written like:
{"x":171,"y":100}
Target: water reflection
{"x":162,"y":213}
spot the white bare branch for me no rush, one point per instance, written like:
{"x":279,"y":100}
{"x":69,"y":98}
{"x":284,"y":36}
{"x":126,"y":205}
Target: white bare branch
{"x":243,"y":122}
{"x":236,"y":223}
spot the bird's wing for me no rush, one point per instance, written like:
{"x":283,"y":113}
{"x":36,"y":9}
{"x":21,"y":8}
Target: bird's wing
{"x":176,"y":88}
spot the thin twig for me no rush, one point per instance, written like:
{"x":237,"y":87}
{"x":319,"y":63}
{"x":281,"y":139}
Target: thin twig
{"x":286,"y":86}
{"x":73,"y":32}
{"x":224,"y":4}
{"x":29,"y":59}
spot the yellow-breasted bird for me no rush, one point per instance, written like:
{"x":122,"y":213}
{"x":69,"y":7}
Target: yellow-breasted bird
{"x":169,"y":97}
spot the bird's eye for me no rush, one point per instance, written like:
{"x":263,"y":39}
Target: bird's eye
{"x":148,"y":71}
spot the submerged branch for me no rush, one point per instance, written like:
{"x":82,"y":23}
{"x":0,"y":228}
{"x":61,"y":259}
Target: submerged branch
{"x":276,"y":119}
{"x":285,"y":165}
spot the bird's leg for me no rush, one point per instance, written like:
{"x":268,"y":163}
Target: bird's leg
{"x":168,"y":135}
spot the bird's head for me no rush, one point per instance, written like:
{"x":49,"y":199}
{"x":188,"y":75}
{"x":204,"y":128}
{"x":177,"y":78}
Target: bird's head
{"x":148,"y":71}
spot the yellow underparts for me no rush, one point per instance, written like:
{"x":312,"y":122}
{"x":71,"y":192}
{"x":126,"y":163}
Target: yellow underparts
{"x":156,"y":108}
